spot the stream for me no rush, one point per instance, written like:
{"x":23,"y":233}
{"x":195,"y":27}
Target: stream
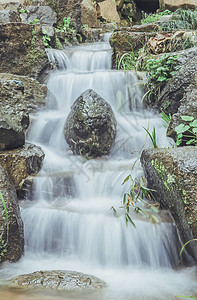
{"x":69,"y":219}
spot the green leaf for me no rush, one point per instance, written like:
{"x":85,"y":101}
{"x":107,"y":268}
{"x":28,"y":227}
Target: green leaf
{"x":194,"y":130}
{"x":193,"y":123}
{"x":125,"y":198}
{"x":187,"y":118}
{"x":181,"y":128}
{"x":128,"y":219}
{"x":126,"y":179}
{"x":161,"y":78}
{"x":190,"y":142}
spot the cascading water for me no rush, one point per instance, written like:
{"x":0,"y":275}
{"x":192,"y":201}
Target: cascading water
{"x":70,"y":223}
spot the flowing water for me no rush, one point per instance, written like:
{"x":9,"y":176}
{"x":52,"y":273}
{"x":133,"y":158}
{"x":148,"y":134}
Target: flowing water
{"x":69,"y":222}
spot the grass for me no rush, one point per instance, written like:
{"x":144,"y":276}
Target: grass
{"x":3,"y":244}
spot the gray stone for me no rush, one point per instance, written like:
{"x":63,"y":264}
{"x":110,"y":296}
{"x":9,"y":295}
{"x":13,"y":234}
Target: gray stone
{"x":15,"y":246}
{"x":58,"y":280}
{"x":44,"y":14}
{"x":8,"y":16}
{"x":172,"y":173}
{"x":170,"y":97}
{"x":19,"y":95}
{"x":90,"y":128}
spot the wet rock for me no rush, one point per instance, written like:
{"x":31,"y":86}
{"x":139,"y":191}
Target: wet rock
{"x":172,"y":173}
{"x":173,"y":5}
{"x":21,"y":163}
{"x":170,"y":97}
{"x":21,"y":50}
{"x":19,"y":95}
{"x":58,"y":280}
{"x":90,"y":128}
{"x":15,"y":246}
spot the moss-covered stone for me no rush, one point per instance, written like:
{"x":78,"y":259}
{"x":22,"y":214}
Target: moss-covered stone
{"x":22,"y":50}
{"x":172,"y":174}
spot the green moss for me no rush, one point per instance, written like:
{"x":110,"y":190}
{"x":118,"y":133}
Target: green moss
{"x":58,"y":44}
{"x":34,"y":38}
{"x":34,"y":56}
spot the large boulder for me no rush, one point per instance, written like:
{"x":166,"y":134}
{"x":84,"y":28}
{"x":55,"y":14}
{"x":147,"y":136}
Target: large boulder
{"x":175,"y":4}
{"x":15,"y":242}
{"x":19,"y":95}
{"x":21,"y":163}
{"x":22,"y":51}
{"x":108,"y":11}
{"x":58,"y":280}
{"x":90,"y":128}
{"x":172,"y":173}
{"x":89,"y":14}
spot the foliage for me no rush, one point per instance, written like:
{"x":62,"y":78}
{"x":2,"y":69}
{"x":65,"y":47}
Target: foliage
{"x":187,"y":131}
{"x":35,"y":21}
{"x":65,"y":26}
{"x":152,"y":17}
{"x":23,"y":10}
{"x":181,"y":19}
{"x":138,"y":192}
{"x":152,"y":136}
{"x":46,"y":38}
{"x":185,"y":246}
{"x":3,"y":244}
{"x":166,"y":119}
{"x":160,"y":70}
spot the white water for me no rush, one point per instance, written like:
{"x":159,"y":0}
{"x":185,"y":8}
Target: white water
{"x":70,"y":223}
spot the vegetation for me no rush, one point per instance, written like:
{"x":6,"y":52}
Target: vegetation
{"x":160,"y":70}
{"x":138,"y":193}
{"x":46,"y":38}
{"x":152,"y":17}
{"x":187,"y":131}
{"x":181,"y":19}
{"x":4,"y":244}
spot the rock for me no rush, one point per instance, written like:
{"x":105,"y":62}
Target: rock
{"x":46,"y":16}
{"x":19,"y":95}
{"x":126,"y":40}
{"x":21,"y":50}
{"x":58,"y":280}
{"x":175,"y":4}
{"x":89,"y":14}
{"x":21,"y":163}
{"x":12,"y":129}
{"x":170,"y":97}
{"x":90,"y":128}
{"x":23,"y":92}
{"x":108,"y":11}
{"x":15,"y":245}
{"x":8,"y":16}
{"x":188,"y":107}
{"x":10,"y":5}
{"x":172,"y":173}
{"x":128,"y":10}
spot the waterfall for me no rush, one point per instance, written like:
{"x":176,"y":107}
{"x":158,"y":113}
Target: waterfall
{"x":70,"y":224}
